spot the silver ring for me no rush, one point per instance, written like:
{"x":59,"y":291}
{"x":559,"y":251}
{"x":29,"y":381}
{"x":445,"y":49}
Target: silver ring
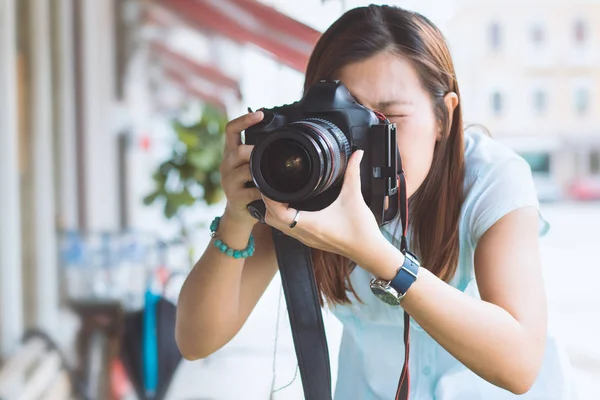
{"x":295,"y":221}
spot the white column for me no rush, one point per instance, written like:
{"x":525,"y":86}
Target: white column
{"x":66,"y":119}
{"x":101,"y":116}
{"x":11,"y":296}
{"x":46,"y":266}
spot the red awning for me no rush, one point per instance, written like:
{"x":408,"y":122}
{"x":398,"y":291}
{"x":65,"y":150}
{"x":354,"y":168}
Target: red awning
{"x":248,"y":21}
{"x":180,"y":80}
{"x":193,"y":68}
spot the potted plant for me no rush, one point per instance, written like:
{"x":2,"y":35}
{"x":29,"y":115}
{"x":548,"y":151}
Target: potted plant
{"x":191,"y":173}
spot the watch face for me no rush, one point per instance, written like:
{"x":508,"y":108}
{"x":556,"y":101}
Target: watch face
{"x":383,"y":294}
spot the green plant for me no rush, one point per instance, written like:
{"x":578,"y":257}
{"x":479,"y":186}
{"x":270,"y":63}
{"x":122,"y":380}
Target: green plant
{"x":192,"y":171}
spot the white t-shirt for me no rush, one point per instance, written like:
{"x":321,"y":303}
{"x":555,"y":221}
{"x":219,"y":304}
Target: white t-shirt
{"x":497,"y":181}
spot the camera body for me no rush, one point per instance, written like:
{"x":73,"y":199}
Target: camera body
{"x":301,"y":151}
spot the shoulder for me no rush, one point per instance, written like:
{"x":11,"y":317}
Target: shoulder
{"x":497,"y":181}
{"x":485,"y":156}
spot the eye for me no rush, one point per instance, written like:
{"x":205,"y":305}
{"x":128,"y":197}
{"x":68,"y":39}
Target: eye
{"x":395,"y":117}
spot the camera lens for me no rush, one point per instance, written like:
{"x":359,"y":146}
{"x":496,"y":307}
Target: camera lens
{"x":300,"y":160}
{"x":286,"y":166}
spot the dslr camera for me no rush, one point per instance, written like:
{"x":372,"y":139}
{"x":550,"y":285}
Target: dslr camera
{"x":301,"y":151}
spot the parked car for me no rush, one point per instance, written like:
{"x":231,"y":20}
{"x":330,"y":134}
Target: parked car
{"x":587,"y":188}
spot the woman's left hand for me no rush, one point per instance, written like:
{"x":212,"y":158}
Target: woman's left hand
{"x":345,"y":227}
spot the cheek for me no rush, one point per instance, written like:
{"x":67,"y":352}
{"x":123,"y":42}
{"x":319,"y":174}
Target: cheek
{"x":416,"y":143}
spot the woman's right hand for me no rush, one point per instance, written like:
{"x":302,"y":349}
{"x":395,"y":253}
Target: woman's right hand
{"x":235,"y":170}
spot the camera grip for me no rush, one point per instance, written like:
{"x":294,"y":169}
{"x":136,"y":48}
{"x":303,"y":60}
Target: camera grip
{"x":258,"y":210}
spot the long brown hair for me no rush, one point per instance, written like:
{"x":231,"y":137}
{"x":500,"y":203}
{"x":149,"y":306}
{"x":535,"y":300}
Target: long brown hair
{"x":435,"y":208}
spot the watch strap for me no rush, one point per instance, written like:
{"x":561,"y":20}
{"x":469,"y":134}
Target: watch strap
{"x":407,"y":274}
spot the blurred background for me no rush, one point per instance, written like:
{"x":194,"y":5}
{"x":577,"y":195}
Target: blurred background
{"x":111,"y":114}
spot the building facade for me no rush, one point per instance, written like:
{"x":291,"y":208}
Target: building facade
{"x":530,"y":73}
{"x":87,"y":92}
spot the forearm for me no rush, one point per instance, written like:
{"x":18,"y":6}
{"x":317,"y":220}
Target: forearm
{"x":481,"y":335}
{"x":209,"y":304}
{"x":484,"y":337}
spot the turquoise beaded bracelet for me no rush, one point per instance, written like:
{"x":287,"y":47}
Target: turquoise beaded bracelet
{"x":223,"y":248}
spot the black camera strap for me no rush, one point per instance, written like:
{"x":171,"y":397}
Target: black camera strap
{"x":306,"y":320}
{"x":304,"y":309}
{"x":404,"y":383}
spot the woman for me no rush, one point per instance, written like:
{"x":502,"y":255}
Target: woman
{"x":478,"y":307}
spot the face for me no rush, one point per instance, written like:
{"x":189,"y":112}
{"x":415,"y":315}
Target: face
{"x":390,"y":84}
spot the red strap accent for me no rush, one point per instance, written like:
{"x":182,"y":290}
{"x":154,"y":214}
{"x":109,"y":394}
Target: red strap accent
{"x":380,"y":116}
{"x":404,"y":383}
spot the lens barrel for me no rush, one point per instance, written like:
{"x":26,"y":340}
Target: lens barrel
{"x":300,"y":160}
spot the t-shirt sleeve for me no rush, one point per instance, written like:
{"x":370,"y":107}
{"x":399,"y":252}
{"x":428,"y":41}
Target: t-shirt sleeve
{"x":504,"y":188}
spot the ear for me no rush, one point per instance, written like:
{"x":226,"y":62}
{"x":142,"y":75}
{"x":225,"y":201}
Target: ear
{"x":451,"y":101}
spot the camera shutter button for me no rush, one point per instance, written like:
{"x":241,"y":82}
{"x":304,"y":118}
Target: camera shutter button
{"x":267,"y":119}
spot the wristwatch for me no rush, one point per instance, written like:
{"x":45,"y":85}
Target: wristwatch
{"x":392,"y":292}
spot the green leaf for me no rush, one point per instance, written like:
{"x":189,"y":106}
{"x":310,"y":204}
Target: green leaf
{"x":159,"y":177}
{"x":186,"y":171}
{"x":193,"y":166}
{"x":189,"y":138}
{"x":199,"y":176}
{"x":170,"y":208}
{"x":185,"y":198}
{"x":205,"y":160}
{"x":165,"y":168}
{"x":151,"y":198}
{"x":214,"y":196}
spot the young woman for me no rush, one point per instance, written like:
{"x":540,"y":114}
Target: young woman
{"x":477,"y":307}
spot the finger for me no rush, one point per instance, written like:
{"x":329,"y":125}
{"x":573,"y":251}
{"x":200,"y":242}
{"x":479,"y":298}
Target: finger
{"x":280,"y":212}
{"x":273,"y":221}
{"x":251,"y":194}
{"x":237,"y":157}
{"x":352,"y":174}
{"x":239,"y":179}
{"x":234,"y":128}
{"x":235,"y":184}
{"x":241,"y":175}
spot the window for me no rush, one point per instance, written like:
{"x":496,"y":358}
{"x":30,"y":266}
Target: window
{"x":495,"y":36}
{"x":497,"y":103}
{"x":538,"y":35}
{"x":538,"y":161}
{"x":539,"y":101}
{"x":580,"y":31}
{"x":582,"y":99}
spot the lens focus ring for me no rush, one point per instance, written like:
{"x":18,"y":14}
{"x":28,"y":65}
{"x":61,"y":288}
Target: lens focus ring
{"x":338,"y":148}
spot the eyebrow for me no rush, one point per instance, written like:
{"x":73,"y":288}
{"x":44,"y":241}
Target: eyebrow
{"x":382,"y":105}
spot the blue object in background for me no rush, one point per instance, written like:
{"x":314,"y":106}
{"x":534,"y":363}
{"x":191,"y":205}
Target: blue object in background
{"x":150,"y":343}
{"x":73,"y":258}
